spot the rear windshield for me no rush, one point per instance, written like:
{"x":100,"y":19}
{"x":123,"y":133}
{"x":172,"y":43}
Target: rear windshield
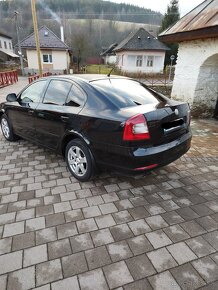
{"x":126,"y":93}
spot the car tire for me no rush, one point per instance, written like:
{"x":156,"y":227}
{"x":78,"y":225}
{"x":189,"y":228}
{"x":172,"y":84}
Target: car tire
{"x":7,"y":129}
{"x":79,"y":160}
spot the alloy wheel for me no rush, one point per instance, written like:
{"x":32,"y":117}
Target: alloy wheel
{"x":77,"y":161}
{"x":5,"y":128}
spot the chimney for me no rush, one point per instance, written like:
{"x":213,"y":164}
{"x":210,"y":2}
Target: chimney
{"x":62,"y":33}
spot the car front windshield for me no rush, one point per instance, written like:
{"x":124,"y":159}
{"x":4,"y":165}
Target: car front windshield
{"x":126,"y":93}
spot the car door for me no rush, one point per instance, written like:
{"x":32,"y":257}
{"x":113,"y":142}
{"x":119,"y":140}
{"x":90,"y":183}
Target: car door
{"x":51,"y":115}
{"x":22,"y":113}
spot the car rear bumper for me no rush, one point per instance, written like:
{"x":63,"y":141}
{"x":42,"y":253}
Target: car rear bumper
{"x":136,"y":159}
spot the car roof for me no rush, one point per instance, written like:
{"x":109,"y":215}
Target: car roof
{"x":88,"y":77}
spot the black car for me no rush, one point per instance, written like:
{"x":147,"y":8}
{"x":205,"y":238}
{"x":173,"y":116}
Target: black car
{"x":98,"y":121}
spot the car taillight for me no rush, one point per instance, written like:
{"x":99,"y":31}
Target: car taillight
{"x":136,"y":129}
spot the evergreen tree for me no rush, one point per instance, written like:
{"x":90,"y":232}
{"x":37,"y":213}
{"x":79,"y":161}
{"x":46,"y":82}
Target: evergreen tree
{"x":171,"y":17}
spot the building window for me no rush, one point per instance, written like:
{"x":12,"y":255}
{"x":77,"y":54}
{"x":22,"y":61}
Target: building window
{"x":47,"y":58}
{"x":122,"y":59}
{"x":10,"y":45}
{"x":5,"y":43}
{"x":139,"y":60}
{"x":150,"y":61}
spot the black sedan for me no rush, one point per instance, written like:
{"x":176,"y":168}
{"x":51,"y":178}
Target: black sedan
{"x":98,"y":121}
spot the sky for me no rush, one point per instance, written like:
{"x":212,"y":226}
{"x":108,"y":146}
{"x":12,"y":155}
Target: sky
{"x":161,"y":5}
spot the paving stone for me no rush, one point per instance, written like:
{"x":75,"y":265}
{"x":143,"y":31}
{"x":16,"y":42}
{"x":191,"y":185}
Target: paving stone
{"x":208,"y":223}
{"x":35,"y":224}
{"x":193,"y":228}
{"x":117,"y":274}
{"x":102,"y":237}
{"x":81,"y":242}
{"x":121,"y":232}
{"x":207,"y":269}
{"x":91,"y":211}
{"x":18,"y":279}
{"x":158,"y":239}
{"x":176,"y":233}
{"x":78,"y":203}
{"x":97,"y":257}
{"x":105,"y":221}
{"x":164,"y":281}
{"x":187,"y":213}
{"x":67,"y":230}
{"x":187,"y":277}
{"x":138,"y":212}
{"x":123,"y":204}
{"x":10,"y":262}
{"x":139,"y":245}
{"x":108,"y":208}
{"x":25,"y":214}
{"x":86,"y":225}
{"x":44,"y":210}
{"x":119,"y":251}
{"x":139,"y":227}
{"x":68,"y":196}
{"x":35,"y":255}
{"x":161,"y":259}
{"x":5,"y":245}
{"x":93,"y":280}
{"x":154,"y":209}
{"x":74,"y":264}
{"x":139,"y":285}
{"x":169,"y":205}
{"x":140,"y":267}
{"x":95,"y":200}
{"x":73,"y":215}
{"x":215,"y":257}
{"x":59,"y":249}
{"x":62,"y":206}
{"x":23,"y":241}
{"x":66,"y":284}
{"x":54,"y":219}
{"x":111,"y":187}
{"x":13,"y":229}
{"x":3,"y":282}
{"x":212,"y":286}
{"x":156,"y":222}
{"x":46,"y":235}
{"x":48,"y":272}
{"x":181,"y":253}
{"x":122,"y":217}
{"x":212,"y":239}
{"x":172,"y":217}
{"x":201,"y":209}
{"x":138,"y":201}
{"x":51,"y":199}
{"x":81,"y":193}
{"x":200,"y":247}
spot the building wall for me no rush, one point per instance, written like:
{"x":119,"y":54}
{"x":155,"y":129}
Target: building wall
{"x":127,"y":61}
{"x":8,"y":44}
{"x":196,"y":75}
{"x":60,"y":60}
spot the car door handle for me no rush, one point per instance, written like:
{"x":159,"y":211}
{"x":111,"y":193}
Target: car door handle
{"x":64,"y":118}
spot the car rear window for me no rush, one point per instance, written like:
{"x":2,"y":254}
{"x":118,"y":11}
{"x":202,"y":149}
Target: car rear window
{"x":126,"y":93}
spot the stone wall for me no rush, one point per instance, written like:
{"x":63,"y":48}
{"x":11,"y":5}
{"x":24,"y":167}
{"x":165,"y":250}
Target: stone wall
{"x":196,"y":75}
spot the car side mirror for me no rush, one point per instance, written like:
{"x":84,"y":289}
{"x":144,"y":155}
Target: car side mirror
{"x":11,"y":97}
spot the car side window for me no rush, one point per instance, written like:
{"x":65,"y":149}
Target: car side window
{"x":57,"y":92}
{"x":33,"y":93}
{"x":76,"y":97}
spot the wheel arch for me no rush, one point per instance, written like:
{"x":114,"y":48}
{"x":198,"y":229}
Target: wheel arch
{"x":72,"y":136}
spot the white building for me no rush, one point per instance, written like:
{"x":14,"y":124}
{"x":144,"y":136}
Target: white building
{"x":141,"y":52}
{"x":55,"y":55}
{"x":109,"y":55}
{"x":196,"y":75}
{"x":6,"y":48}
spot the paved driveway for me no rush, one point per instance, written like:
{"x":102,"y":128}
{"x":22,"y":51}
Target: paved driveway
{"x":154,"y":232}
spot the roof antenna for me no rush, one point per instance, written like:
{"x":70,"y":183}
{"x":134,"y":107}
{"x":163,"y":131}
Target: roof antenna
{"x":114,"y":66}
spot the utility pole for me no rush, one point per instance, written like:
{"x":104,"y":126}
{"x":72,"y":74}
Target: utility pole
{"x":35,"y":25}
{"x":18,"y":41}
